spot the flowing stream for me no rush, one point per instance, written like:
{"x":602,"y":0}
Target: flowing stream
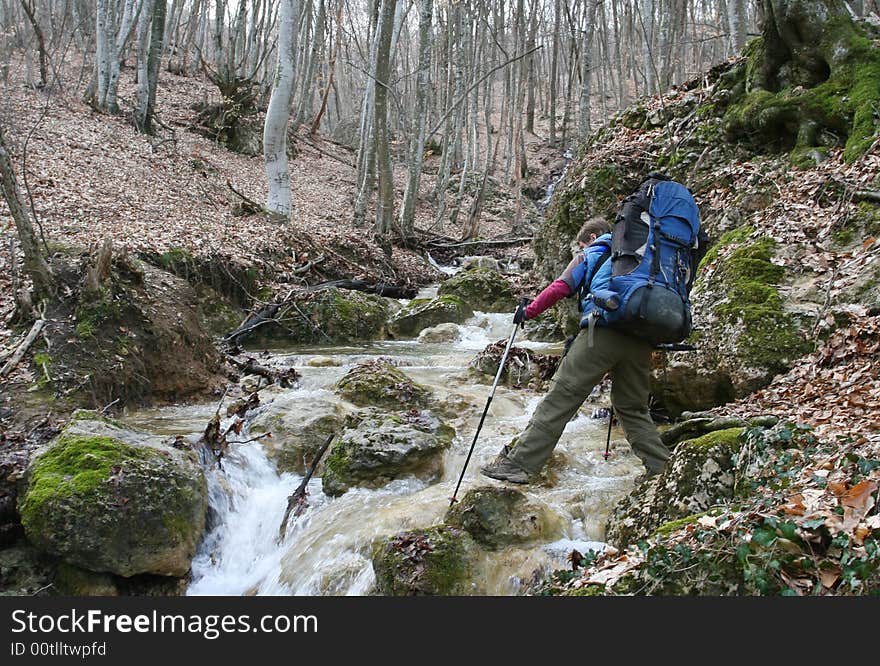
{"x":327,"y":550}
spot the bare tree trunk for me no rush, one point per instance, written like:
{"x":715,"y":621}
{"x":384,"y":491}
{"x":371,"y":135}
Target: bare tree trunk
{"x":148,"y":64}
{"x":420,"y":120}
{"x":30,"y":11}
{"x":385,"y":203}
{"x":34,"y":262}
{"x":278,"y":113}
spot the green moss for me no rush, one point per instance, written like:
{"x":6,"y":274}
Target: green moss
{"x":673,"y":525}
{"x":749,"y":281}
{"x":90,"y":316}
{"x":729,"y":437}
{"x":841,"y":110}
{"x":175,"y":258}
{"x":75,"y":465}
{"x":735,"y":236}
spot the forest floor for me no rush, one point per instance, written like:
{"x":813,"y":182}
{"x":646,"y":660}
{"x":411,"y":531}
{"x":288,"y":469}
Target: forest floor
{"x":89,"y":176}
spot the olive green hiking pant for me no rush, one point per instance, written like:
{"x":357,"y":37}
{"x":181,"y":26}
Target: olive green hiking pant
{"x":629,"y":361}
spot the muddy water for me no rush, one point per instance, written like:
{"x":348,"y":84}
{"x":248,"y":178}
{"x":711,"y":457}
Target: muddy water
{"x":327,"y":549}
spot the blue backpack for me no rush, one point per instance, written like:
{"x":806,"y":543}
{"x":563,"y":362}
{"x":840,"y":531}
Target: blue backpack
{"x":655,"y":248}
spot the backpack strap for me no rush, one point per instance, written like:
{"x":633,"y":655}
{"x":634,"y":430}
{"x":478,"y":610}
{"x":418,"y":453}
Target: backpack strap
{"x":584,"y":287}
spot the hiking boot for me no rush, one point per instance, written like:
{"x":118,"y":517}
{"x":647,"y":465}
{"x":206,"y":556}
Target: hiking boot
{"x":504,"y":469}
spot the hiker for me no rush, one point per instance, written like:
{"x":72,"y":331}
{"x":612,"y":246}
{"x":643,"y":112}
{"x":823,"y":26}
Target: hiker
{"x":626,"y":357}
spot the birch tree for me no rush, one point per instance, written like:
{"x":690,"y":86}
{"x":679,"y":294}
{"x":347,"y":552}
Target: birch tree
{"x":278,"y":113}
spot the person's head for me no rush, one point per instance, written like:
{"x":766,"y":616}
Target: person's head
{"x":591,"y":230}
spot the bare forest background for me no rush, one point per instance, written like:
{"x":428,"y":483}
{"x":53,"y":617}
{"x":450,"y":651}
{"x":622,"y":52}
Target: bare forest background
{"x":468,"y":81}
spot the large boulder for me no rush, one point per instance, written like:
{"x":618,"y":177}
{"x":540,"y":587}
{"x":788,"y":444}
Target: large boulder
{"x":110,"y":499}
{"x":746,"y":329}
{"x":330,"y":316}
{"x":482,"y":289}
{"x":699,"y":475}
{"x":496,"y":516}
{"x":299,"y":427}
{"x":437,"y":561}
{"x":421,"y":313}
{"x":384,"y":447}
{"x":377,"y":383}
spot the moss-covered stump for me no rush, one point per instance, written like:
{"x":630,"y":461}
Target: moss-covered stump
{"x":523,"y":368}
{"x":746,"y":331}
{"x":812,"y":80}
{"x":108,"y":499}
{"x":379,"y":384}
{"x":699,"y":475}
{"x":482,"y":289}
{"x":421,"y":313}
{"x":384,"y":447}
{"x":299,"y":428}
{"x":497,"y":517}
{"x":329,"y":316}
{"x":439,"y":561}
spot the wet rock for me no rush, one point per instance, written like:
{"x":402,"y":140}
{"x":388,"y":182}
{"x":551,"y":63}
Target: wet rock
{"x":481,"y":289}
{"x":299,"y":427}
{"x":488,"y":263}
{"x":437,"y":561}
{"x":75,"y":582}
{"x":379,"y":384}
{"x":440,"y":333}
{"x":110,"y":499}
{"x":384,"y":447}
{"x":699,"y":474}
{"x":496,"y":517}
{"x":747,"y":329}
{"x":330,"y":316}
{"x":422,"y":313}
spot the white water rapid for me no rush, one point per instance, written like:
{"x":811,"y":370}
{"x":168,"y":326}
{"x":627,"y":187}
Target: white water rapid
{"x":327,"y":549}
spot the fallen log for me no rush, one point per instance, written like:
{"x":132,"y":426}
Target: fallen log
{"x":23,"y":347}
{"x":285,"y":377}
{"x":297,"y":502}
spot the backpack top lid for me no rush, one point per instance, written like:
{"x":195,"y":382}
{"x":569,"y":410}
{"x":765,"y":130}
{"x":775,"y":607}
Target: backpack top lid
{"x":673,"y":199}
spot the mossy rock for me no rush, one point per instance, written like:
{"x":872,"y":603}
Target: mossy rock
{"x":113,"y":500}
{"x":482,"y":289}
{"x":329,"y":316}
{"x":438,"y":561}
{"x":497,"y":517}
{"x":299,"y":426}
{"x":384,"y":447}
{"x":379,"y":384}
{"x":421,"y":313}
{"x":746,"y":331}
{"x":699,"y":475}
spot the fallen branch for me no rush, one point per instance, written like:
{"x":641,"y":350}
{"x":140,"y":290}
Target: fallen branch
{"x":23,"y":347}
{"x":285,"y":378}
{"x":297,"y":502}
{"x":249,"y":206}
{"x":326,"y":153}
{"x":499,"y":243}
{"x":866,"y":195}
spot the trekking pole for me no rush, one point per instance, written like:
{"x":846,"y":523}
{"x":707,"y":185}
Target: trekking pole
{"x":453,"y":499}
{"x":608,"y":439}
